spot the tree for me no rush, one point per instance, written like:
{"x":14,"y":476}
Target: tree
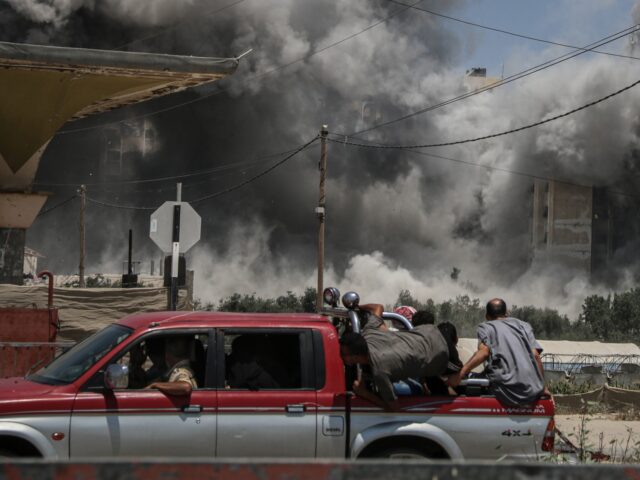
{"x":596,"y":315}
{"x":308,"y":300}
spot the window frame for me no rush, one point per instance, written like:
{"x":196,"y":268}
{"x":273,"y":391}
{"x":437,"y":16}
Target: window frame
{"x":96,"y":381}
{"x":308,"y":374}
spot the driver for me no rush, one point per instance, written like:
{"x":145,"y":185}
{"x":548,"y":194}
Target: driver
{"x":180,"y":378}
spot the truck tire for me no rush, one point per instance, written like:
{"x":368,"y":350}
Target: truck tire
{"x":403,"y":452}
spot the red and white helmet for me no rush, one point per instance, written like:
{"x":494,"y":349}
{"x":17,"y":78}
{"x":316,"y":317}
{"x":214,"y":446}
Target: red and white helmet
{"x":406,"y":311}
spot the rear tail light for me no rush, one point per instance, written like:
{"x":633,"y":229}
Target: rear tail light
{"x":549,"y":436}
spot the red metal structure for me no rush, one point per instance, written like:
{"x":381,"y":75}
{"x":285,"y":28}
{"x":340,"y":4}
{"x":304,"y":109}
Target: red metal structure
{"x":28,"y":336}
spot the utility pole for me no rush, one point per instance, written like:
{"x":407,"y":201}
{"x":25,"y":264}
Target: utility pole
{"x":83,"y":203}
{"x":320,"y":211}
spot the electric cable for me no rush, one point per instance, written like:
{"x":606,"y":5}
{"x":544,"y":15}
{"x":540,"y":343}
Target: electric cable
{"x":64,"y":202}
{"x":515,"y":172}
{"x":113,"y":205}
{"x":507,"y":32}
{"x":242,"y":82}
{"x":208,"y":171}
{"x":505,"y":81}
{"x":492,"y":135}
{"x":174,"y":26}
{"x":217,"y":194}
{"x":256,"y":177}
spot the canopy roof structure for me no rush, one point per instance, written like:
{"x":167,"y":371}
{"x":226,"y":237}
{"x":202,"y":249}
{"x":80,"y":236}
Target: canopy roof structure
{"x":42,"y":87}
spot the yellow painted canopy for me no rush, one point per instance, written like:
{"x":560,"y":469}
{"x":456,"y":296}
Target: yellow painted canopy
{"x":43,"y":87}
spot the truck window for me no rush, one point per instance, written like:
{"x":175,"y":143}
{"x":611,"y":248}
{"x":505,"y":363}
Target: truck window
{"x":73,"y":363}
{"x":263,"y":360}
{"x":148,"y":360}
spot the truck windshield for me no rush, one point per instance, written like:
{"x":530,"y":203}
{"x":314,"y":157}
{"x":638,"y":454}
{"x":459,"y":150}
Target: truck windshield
{"x":73,"y":363}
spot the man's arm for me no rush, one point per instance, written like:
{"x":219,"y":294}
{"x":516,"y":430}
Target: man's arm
{"x":478,"y":358}
{"x":536,"y":355}
{"x":363,"y":392}
{"x":173,"y":388}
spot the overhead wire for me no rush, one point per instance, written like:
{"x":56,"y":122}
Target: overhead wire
{"x":216,"y":194}
{"x":512,"y":78}
{"x":208,"y":171}
{"x":492,"y":135}
{"x":513,"y":172}
{"x":244,"y":81}
{"x":256,"y":177}
{"x":58,"y":205}
{"x":175,"y":25}
{"x":507,"y":32}
{"x":185,"y":185}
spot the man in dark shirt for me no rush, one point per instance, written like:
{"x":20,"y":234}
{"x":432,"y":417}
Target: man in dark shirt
{"x":393,"y":356}
{"x":512,"y":356}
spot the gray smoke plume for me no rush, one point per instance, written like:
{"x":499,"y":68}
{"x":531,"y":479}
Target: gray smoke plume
{"x":395,"y":219}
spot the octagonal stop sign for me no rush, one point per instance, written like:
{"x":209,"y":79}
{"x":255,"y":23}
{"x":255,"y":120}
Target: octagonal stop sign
{"x":161,"y":226}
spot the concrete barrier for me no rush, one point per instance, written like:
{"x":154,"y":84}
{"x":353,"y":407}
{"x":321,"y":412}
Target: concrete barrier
{"x":309,"y":470}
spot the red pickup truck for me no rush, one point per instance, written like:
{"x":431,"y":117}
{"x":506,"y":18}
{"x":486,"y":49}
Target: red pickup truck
{"x":284,"y":395}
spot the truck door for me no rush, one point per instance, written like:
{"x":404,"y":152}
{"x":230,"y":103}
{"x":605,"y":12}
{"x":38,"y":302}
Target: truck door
{"x":134,"y":421}
{"x":267,"y":399}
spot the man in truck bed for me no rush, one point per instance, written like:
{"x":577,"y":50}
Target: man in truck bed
{"x":393,"y":356}
{"x":512,"y":356}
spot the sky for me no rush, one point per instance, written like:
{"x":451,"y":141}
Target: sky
{"x":396,"y":219}
{"x":571,"y":22}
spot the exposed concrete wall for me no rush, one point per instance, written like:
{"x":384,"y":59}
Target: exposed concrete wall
{"x":562,"y":224}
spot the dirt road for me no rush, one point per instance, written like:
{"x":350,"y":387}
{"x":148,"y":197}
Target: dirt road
{"x":603,"y":432}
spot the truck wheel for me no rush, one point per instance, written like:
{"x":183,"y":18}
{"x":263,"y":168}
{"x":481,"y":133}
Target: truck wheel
{"x":403,"y":452}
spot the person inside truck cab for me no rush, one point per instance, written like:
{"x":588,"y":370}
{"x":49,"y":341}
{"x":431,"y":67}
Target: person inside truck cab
{"x":180,"y":379}
{"x":394,"y":356}
{"x":245,"y":368}
{"x":511,"y":355}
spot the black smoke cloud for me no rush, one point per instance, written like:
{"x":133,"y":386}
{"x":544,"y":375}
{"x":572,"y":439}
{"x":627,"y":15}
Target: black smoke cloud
{"x":396,"y":219}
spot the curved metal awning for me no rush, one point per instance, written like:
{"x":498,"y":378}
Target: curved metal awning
{"x":42,"y":87}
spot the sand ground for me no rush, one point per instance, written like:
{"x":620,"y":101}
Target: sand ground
{"x":604,"y":432}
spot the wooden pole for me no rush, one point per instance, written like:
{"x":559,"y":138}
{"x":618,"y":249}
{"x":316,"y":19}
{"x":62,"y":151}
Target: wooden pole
{"x":83,"y":203}
{"x":320,"y":211}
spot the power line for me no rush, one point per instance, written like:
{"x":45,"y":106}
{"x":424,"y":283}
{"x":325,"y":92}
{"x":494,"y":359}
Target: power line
{"x":174,"y":26}
{"x":255,"y":177}
{"x":228,"y":166}
{"x":514,"y":172}
{"x":185,"y":186}
{"x":64,"y":202}
{"x":509,"y":79}
{"x":124,"y":207}
{"x":245,"y":81}
{"x":217,"y":194}
{"x":492,"y":135}
{"x":507,"y":32}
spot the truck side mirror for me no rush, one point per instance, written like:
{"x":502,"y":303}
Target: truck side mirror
{"x":116,"y":376}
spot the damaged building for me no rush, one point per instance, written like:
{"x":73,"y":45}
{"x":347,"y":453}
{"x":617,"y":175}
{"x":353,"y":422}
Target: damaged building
{"x":586,"y":229}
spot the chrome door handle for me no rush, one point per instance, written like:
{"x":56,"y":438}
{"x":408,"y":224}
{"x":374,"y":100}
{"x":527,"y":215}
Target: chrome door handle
{"x":296,"y":408}
{"x":192,"y":409}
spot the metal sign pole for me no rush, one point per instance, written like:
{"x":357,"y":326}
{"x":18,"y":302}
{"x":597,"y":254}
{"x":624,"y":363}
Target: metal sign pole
{"x":175,"y":252}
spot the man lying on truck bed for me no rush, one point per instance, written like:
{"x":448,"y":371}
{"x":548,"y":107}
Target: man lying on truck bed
{"x":394,"y":356}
